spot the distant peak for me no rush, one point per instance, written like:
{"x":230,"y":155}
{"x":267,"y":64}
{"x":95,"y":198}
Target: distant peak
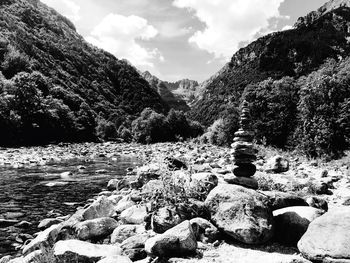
{"x":326,"y":8}
{"x":333,"y":4}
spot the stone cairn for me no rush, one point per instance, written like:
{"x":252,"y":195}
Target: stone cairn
{"x":242,"y":148}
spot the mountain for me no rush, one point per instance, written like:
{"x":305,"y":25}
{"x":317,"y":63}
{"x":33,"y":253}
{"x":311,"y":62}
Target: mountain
{"x":185,"y":89}
{"x":316,"y":38}
{"x":175,"y":102}
{"x":54,"y":86}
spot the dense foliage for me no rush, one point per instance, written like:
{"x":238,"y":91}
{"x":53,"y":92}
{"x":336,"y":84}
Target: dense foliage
{"x":297,"y":84}
{"x":56,"y":87}
{"x":153,"y":127}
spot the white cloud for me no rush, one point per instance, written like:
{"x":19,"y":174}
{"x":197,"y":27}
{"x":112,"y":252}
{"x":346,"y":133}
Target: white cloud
{"x":229,"y":23}
{"x":118,"y":34}
{"x":287,"y":27}
{"x":65,"y":7}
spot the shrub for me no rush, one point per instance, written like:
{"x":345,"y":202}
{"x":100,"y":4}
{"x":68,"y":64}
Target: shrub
{"x":14,"y":62}
{"x":221,"y":132}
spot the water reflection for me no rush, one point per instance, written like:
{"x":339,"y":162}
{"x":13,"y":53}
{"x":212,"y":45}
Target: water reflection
{"x":32,"y":194}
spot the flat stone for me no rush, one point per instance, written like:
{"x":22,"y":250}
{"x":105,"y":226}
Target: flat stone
{"x":244,"y":170}
{"x":242,"y":181}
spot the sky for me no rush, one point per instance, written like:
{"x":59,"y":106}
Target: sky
{"x":177,"y":39}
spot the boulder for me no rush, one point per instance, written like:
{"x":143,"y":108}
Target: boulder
{"x":134,"y":215}
{"x":101,"y":207}
{"x":204,"y":230}
{"x":134,"y":247}
{"x":292,"y":222}
{"x":279,"y":200}
{"x":45,"y":238}
{"x":277,"y":164}
{"x":327,"y":238}
{"x":83,"y":252}
{"x":241,"y":213}
{"x":124,"y":204}
{"x":47,"y":222}
{"x":165,"y":218}
{"x":177,"y":241}
{"x":123,"y":232}
{"x":95,"y":228}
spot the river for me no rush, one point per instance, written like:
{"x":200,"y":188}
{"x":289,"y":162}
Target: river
{"x":34,"y":193}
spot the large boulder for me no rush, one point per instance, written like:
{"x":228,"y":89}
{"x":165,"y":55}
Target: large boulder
{"x":279,"y":200}
{"x":327,"y":238}
{"x":101,"y":207}
{"x":95,"y":229}
{"x":292,"y":222}
{"x":177,"y":241}
{"x":44,"y":239}
{"x":241,"y":213}
{"x":203,"y":182}
{"x":277,"y":164}
{"x":124,"y":204}
{"x":83,"y":252}
{"x":123,"y":232}
{"x":134,"y":215}
{"x":134,"y":247}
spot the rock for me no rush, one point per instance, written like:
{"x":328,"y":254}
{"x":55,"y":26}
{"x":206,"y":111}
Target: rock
{"x":165,"y":218}
{"x":45,"y":223}
{"x":242,"y":181}
{"x":327,"y":238}
{"x":279,"y":200}
{"x":277,"y":164}
{"x":84,"y":252}
{"x":321,"y":188}
{"x":97,"y":228}
{"x":115,"y":259}
{"x":292,"y":222}
{"x":136,"y":241}
{"x":204,"y":230}
{"x":177,"y":241}
{"x":241,"y":213}
{"x":147,"y":173}
{"x":101,"y":207}
{"x":5,"y":259}
{"x":44,"y":239}
{"x":134,"y":215}
{"x":317,"y":202}
{"x":123,"y":232}
{"x":244,"y":170}
{"x":118,"y":184}
{"x":135,"y":254}
{"x":124,"y":204}
{"x":23,"y":224}
{"x":175,"y":164}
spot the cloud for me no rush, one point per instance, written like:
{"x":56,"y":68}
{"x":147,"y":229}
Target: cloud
{"x":229,"y":23}
{"x":120,"y":35}
{"x":65,"y":7}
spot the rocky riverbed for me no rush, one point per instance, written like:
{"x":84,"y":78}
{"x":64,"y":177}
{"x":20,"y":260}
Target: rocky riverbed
{"x":185,"y":205}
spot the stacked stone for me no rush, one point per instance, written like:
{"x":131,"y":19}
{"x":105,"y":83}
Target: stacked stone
{"x":243,"y":150}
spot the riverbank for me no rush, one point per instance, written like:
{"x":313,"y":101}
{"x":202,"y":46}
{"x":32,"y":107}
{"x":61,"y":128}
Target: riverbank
{"x":175,"y":176}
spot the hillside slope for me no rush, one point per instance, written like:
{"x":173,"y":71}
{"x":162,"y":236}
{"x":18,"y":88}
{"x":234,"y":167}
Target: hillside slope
{"x":294,"y":53}
{"x":72,"y":88}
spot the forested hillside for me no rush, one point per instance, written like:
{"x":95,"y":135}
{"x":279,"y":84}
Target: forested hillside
{"x":54,"y":86}
{"x":297,"y":82}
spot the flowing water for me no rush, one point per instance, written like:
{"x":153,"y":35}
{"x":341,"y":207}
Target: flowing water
{"x":34,"y":193}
